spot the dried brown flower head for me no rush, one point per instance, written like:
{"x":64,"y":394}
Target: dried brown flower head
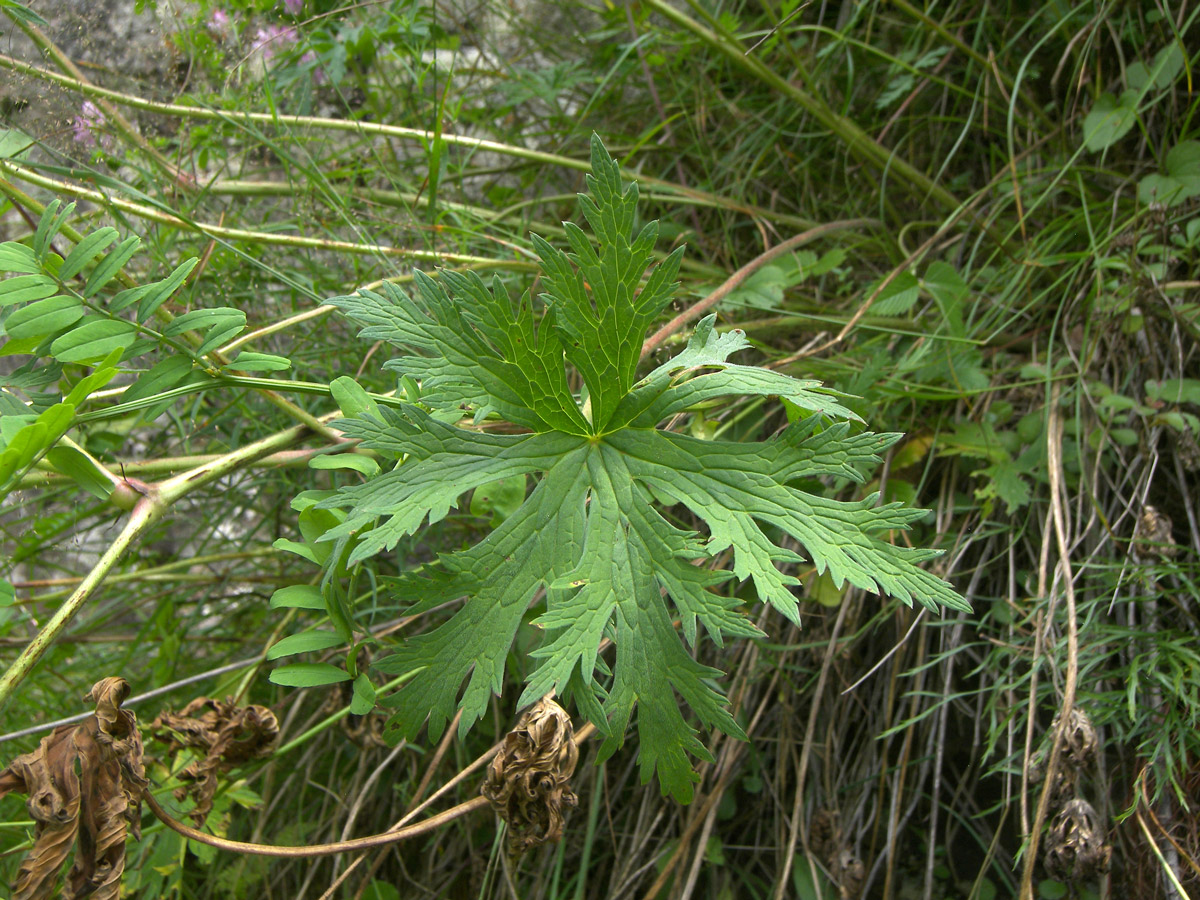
{"x":1075,"y":847}
{"x":228,"y":735}
{"x":529,"y":780}
{"x":1079,"y":738}
{"x":1153,"y":533}
{"x":85,"y":785}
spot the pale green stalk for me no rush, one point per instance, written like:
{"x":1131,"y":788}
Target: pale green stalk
{"x":155,"y":499}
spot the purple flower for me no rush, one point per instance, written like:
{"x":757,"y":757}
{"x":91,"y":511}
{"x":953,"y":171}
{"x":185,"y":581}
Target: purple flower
{"x":85,"y":124}
{"x":293,"y":6}
{"x":219,"y":24}
{"x":272,"y":40}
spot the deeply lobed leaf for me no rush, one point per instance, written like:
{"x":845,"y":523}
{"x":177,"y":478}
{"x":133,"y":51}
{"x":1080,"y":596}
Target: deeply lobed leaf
{"x":588,"y":538}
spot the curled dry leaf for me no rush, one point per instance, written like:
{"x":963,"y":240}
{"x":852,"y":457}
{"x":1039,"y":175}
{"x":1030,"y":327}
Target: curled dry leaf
{"x":85,"y":785}
{"x":1075,"y":847}
{"x":529,"y":780}
{"x":226,"y":734}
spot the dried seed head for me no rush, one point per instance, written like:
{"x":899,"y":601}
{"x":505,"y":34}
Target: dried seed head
{"x":849,"y":873}
{"x":1063,"y":787}
{"x":1079,"y":739}
{"x":529,"y":780}
{"x":1153,"y":533}
{"x":85,"y":785}
{"x":825,"y":833}
{"x":226,"y":734}
{"x":1075,"y":847}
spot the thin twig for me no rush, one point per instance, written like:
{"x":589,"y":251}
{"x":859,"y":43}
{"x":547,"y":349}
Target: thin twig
{"x":737,"y":278}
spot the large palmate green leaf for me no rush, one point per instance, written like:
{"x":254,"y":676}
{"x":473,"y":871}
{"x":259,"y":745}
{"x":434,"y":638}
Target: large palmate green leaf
{"x":589,"y":534}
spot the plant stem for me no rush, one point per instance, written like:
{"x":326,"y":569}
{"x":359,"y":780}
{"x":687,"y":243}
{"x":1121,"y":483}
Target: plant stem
{"x":364,"y":843}
{"x":149,"y":508}
{"x":397,"y":131}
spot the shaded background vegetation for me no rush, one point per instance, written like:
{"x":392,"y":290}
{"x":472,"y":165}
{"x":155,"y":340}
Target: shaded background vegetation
{"x":1009,"y":278}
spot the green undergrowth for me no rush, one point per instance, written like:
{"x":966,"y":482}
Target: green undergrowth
{"x":994,"y":217}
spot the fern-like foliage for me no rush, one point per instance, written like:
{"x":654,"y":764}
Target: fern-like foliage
{"x":589,"y":533}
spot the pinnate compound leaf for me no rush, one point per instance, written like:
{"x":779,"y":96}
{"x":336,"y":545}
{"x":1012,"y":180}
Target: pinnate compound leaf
{"x":588,"y":542}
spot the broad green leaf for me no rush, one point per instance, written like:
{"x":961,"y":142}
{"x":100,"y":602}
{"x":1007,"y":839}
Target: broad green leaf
{"x":350,"y":397}
{"x":353,"y":461}
{"x":85,"y":251}
{"x":308,"y":675}
{"x":53,"y":217}
{"x":44,"y":317}
{"x":25,"y":288}
{"x":111,"y":265}
{"x":1109,"y":120}
{"x":1181,"y":181}
{"x":500,"y":499}
{"x":363,"y":700}
{"x":299,"y":596}
{"x":303,"y":643}
{"x":105,"y":372}
{"x":162,"y":376}
{"x":1160,"y":73}
{"x":302,"y":550}
{"x":155,"y":295}
{"x":588,"y":541}
{"x":80,"y":469}
{"x":218,"y":325}
{"x":7,"y":593}
{"x":16,"y":257}
{"x":93,"y":340}
{"x":247,"y":361}
{"x":23,"y":13}
{"x":898,"y":297}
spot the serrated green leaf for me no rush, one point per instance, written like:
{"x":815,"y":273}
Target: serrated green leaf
{"x":588,"y":537}
{"x":93,"y":340}
{"x":85,"y":251}
{"x":303,"y":643}
{"x":44,"y":317}
{"x":111,"y":265}
{"x":299,"y":596}
{"x":308,"y":675}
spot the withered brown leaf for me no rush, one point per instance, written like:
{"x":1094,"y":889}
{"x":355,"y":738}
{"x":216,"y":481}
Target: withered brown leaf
{"x":529,"y":780}
{"x":85,"y":784}
{"x":228,"y":735}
